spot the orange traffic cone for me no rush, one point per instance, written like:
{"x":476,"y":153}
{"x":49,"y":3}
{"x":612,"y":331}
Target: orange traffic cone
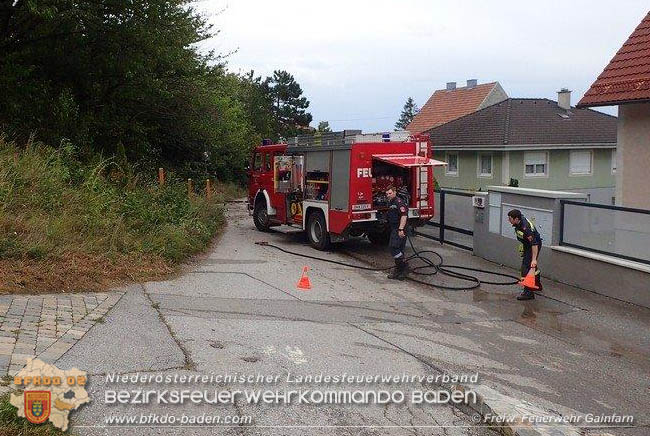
{"x":304,"y":282}
{"x":529,"y":281}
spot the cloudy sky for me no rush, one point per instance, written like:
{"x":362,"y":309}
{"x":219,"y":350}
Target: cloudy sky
{"x":357,"y":61}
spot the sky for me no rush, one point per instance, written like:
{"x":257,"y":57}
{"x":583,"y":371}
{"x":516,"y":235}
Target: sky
{"x":358,"y":61}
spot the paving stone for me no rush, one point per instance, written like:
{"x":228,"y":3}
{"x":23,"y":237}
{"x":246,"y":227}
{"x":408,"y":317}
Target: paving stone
{"x":19,"y":358}
{"x":76,"y":334}
{"x":24,"y":349}
{"x":14,"y":369}
{"x":6,"y":348}
{"x":47,"y":326}
{"x":49,"y":358}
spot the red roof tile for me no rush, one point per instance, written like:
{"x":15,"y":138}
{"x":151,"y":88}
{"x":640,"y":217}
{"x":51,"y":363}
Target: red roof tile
{"x":627,"y":76}
{"x":444,"y":106}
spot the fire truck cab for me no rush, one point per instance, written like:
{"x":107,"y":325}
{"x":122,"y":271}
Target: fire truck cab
{"x":333,"y":186}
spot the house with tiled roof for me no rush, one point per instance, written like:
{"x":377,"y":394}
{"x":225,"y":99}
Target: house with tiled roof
{"x":451,"y":103}
{"x":530,"y":143}
{"x":625,"y":82}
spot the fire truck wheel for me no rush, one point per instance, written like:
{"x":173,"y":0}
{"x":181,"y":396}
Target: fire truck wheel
{"x":317,"y":233}
{"x":379,"y":238}
{"x":261,"y":217}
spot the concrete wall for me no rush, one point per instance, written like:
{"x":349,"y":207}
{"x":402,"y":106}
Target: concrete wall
{"x":598,"y":195}
{"x":633,"y":174}
{"x":621,"y":282}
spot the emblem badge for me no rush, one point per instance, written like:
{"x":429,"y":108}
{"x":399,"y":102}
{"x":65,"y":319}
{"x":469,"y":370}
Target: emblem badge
{"x":37,"y":406}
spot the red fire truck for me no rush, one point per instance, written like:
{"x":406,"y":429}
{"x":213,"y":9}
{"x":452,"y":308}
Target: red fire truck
{"x":333,"y":186}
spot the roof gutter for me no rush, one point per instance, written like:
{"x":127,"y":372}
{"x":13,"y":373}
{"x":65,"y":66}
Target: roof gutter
{"x":612,"y":103}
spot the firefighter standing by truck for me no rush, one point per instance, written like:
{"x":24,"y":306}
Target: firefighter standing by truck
{"x":530,"y":246}
{"x":397,"y":216}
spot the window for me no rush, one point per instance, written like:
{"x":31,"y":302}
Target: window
{"x":452,"y":164}
{"x":535,"y":164}
{"x":257,"y":162}
{"x":267,"y":161}
{"x":614,"y":161}
{"x":580,"y":162}
{"x":485,"y":165}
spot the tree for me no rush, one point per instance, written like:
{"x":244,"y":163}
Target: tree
{"x":289,"y":106}
{"x":126,"y":78}
{"x":409,"y":112}
{"x":259,"y":106}
{"x":324,"y":127}
{"x":104,"y":72}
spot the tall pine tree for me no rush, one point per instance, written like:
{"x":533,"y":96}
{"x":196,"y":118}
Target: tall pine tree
{"x":289,"y":106}
{"x":409,"y":112}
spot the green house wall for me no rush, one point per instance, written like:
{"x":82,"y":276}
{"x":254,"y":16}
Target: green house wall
{"x":558,"y":177}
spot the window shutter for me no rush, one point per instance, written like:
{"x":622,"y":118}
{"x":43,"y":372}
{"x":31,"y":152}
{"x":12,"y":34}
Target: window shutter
{"x":535,"y":163}
{"x":535,"y":158}
{"x":580,"y":162}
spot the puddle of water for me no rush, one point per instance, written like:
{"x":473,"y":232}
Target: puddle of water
{"x":593,"y":339}
{"x":479,"y":294}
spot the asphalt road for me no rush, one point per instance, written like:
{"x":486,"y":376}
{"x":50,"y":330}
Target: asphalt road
{"x":237,"y":310}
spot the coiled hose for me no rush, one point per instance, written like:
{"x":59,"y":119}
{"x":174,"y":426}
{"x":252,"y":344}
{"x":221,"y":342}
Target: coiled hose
{"x":429,"y":268}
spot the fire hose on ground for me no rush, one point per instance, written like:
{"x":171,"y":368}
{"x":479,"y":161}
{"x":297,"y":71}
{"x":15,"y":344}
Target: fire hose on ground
{"x":430,"y":268}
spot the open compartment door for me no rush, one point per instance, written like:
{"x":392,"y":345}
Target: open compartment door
{"x":408,"y":160}
{"x":421,"y":176}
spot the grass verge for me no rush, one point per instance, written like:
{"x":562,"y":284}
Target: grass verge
{"x":13,"y":425}
{"x":68,"y":226}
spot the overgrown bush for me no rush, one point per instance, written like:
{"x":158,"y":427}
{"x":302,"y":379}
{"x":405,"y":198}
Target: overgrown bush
{"x":53,"y":207}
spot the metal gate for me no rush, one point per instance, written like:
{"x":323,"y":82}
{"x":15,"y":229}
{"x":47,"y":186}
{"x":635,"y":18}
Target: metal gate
{"x":453,"y":219}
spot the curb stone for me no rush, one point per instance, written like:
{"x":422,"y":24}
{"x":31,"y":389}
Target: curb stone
{"x":493,"y":403}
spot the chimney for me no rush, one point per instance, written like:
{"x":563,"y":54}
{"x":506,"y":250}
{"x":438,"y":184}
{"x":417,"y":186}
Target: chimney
{"x":564,"y":99}
{"x":471,"y":83}
{"x":451,"y":86}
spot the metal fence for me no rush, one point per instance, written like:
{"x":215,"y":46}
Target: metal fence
{"x":622,"y":232}
{"x":453,"y":220}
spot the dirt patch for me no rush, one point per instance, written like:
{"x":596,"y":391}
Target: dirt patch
{"x":79,"y":273}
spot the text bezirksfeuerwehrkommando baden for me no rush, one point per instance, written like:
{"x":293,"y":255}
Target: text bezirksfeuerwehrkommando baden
{"x":298,"y":396}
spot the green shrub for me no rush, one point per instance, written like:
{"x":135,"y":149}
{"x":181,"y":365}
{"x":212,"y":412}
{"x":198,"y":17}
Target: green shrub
{"x":52,"y":205}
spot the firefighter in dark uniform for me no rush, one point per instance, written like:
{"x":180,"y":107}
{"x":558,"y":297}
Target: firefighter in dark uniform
{"x":397,"y":216}
{"x":529,"y":248}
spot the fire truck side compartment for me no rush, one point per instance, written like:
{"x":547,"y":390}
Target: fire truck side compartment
{"x":317,"y":161}
{"x":340,"y":180}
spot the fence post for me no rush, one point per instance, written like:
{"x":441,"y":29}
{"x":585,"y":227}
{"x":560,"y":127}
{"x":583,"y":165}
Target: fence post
{"x":161,"y":176}
{"x":190,"y":188}
{"x":208,"y":189}
{"x":442,"y":217}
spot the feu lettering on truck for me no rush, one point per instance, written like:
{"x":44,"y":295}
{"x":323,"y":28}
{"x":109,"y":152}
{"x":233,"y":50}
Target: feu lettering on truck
{"x":363,"y":173}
